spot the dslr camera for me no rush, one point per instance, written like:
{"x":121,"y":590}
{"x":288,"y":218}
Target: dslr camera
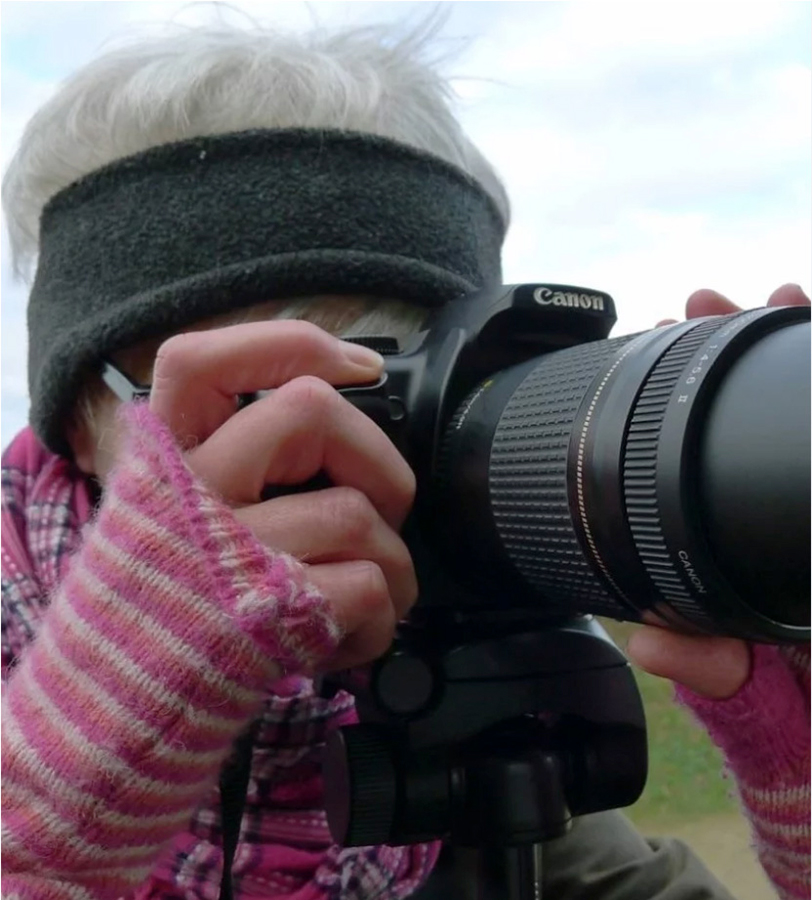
{"x":563,"y":475}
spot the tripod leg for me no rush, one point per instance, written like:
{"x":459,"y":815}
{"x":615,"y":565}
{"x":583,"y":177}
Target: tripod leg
{"x":498,"y":873}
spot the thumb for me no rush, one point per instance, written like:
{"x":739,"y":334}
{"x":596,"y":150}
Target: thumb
{"x":713,"y":667}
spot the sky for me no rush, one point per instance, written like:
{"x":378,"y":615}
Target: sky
{"x":649,"y":149}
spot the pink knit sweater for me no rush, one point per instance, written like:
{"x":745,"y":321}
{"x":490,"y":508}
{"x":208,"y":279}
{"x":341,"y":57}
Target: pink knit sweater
{"x":163,"y":628}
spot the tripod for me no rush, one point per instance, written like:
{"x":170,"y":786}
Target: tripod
{"x":490,"y":736}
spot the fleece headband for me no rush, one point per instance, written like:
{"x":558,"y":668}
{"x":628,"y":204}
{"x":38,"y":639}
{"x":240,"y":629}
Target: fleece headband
{"x":152,"y":243}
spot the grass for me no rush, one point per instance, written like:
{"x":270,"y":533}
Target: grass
{"x":685,"y":781}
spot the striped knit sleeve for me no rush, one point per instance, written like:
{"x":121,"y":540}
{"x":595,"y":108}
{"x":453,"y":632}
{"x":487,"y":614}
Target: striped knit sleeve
{"x":764,"y":735}
{"x":154,"y":655}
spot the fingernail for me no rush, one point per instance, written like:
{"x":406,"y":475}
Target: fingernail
{"x":363,"y":356}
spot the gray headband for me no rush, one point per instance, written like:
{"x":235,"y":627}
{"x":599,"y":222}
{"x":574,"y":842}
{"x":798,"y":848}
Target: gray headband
{"x":155,"y":242}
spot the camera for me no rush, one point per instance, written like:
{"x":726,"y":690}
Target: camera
{"x":667,"y":471}
{"x":562,"y":475}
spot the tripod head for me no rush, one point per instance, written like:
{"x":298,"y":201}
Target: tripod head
{"x":486,"y":735}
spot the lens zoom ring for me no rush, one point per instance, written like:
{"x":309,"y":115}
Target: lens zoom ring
{"x":528,"y":478}
{"x":640,"y":466}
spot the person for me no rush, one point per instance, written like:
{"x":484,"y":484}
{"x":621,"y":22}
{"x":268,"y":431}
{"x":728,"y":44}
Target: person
{"x":213,"y":213}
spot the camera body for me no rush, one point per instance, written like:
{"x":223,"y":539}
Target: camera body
{"x":426,"y":386}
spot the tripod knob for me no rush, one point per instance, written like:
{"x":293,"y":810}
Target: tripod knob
{"x":360,"y":785}
{"x":403,"y":684}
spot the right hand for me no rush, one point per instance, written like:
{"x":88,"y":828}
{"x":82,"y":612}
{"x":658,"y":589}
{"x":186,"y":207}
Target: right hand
{"x":347,"y":535}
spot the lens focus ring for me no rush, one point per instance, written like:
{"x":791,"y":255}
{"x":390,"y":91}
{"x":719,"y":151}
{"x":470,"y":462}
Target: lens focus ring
{"x":528,"y":479}
{"x":640,"y":473}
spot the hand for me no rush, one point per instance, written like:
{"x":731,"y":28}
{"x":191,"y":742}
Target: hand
{"x":347,"y":535}
{"x":711,"y":303}
{"x":714,"y":667}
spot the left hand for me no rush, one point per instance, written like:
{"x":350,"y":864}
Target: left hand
{"x":714,"y":667}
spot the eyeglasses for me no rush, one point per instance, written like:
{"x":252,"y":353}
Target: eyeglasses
{"x":127,"y":390}
{"x":121,"y":385}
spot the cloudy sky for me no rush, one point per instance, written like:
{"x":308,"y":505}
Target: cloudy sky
{"x":649,"y":149}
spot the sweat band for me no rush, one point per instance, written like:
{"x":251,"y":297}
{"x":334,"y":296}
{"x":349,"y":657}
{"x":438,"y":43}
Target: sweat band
{"x":155,"y":242}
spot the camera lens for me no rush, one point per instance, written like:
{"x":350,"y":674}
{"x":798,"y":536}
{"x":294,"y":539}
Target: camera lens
{"x":666,"y":471}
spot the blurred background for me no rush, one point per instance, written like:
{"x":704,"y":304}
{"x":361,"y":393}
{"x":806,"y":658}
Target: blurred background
{"x":649,"y":149}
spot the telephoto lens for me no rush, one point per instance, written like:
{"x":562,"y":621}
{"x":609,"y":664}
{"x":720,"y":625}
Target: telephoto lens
{"x":667,"y":472}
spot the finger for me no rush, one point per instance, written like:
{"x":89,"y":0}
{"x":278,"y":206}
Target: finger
{"x":713,"y":667}
{"x":335,"y":525}
{"x":663,"y":322}
{"x":709,"y":303}
{"x":358,"y":594}
{"x":788,"y":295}
{"x":295,"y":432}
{"x":198,"y":375}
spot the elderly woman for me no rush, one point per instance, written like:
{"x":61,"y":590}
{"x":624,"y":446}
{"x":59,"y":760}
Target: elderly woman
{"x":209,"y":211}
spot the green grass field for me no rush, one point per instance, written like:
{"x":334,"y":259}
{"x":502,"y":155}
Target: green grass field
{"x":685,"y":781}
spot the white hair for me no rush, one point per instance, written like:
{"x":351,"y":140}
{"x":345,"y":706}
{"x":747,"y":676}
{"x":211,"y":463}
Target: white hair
{"x":194,"y":81}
